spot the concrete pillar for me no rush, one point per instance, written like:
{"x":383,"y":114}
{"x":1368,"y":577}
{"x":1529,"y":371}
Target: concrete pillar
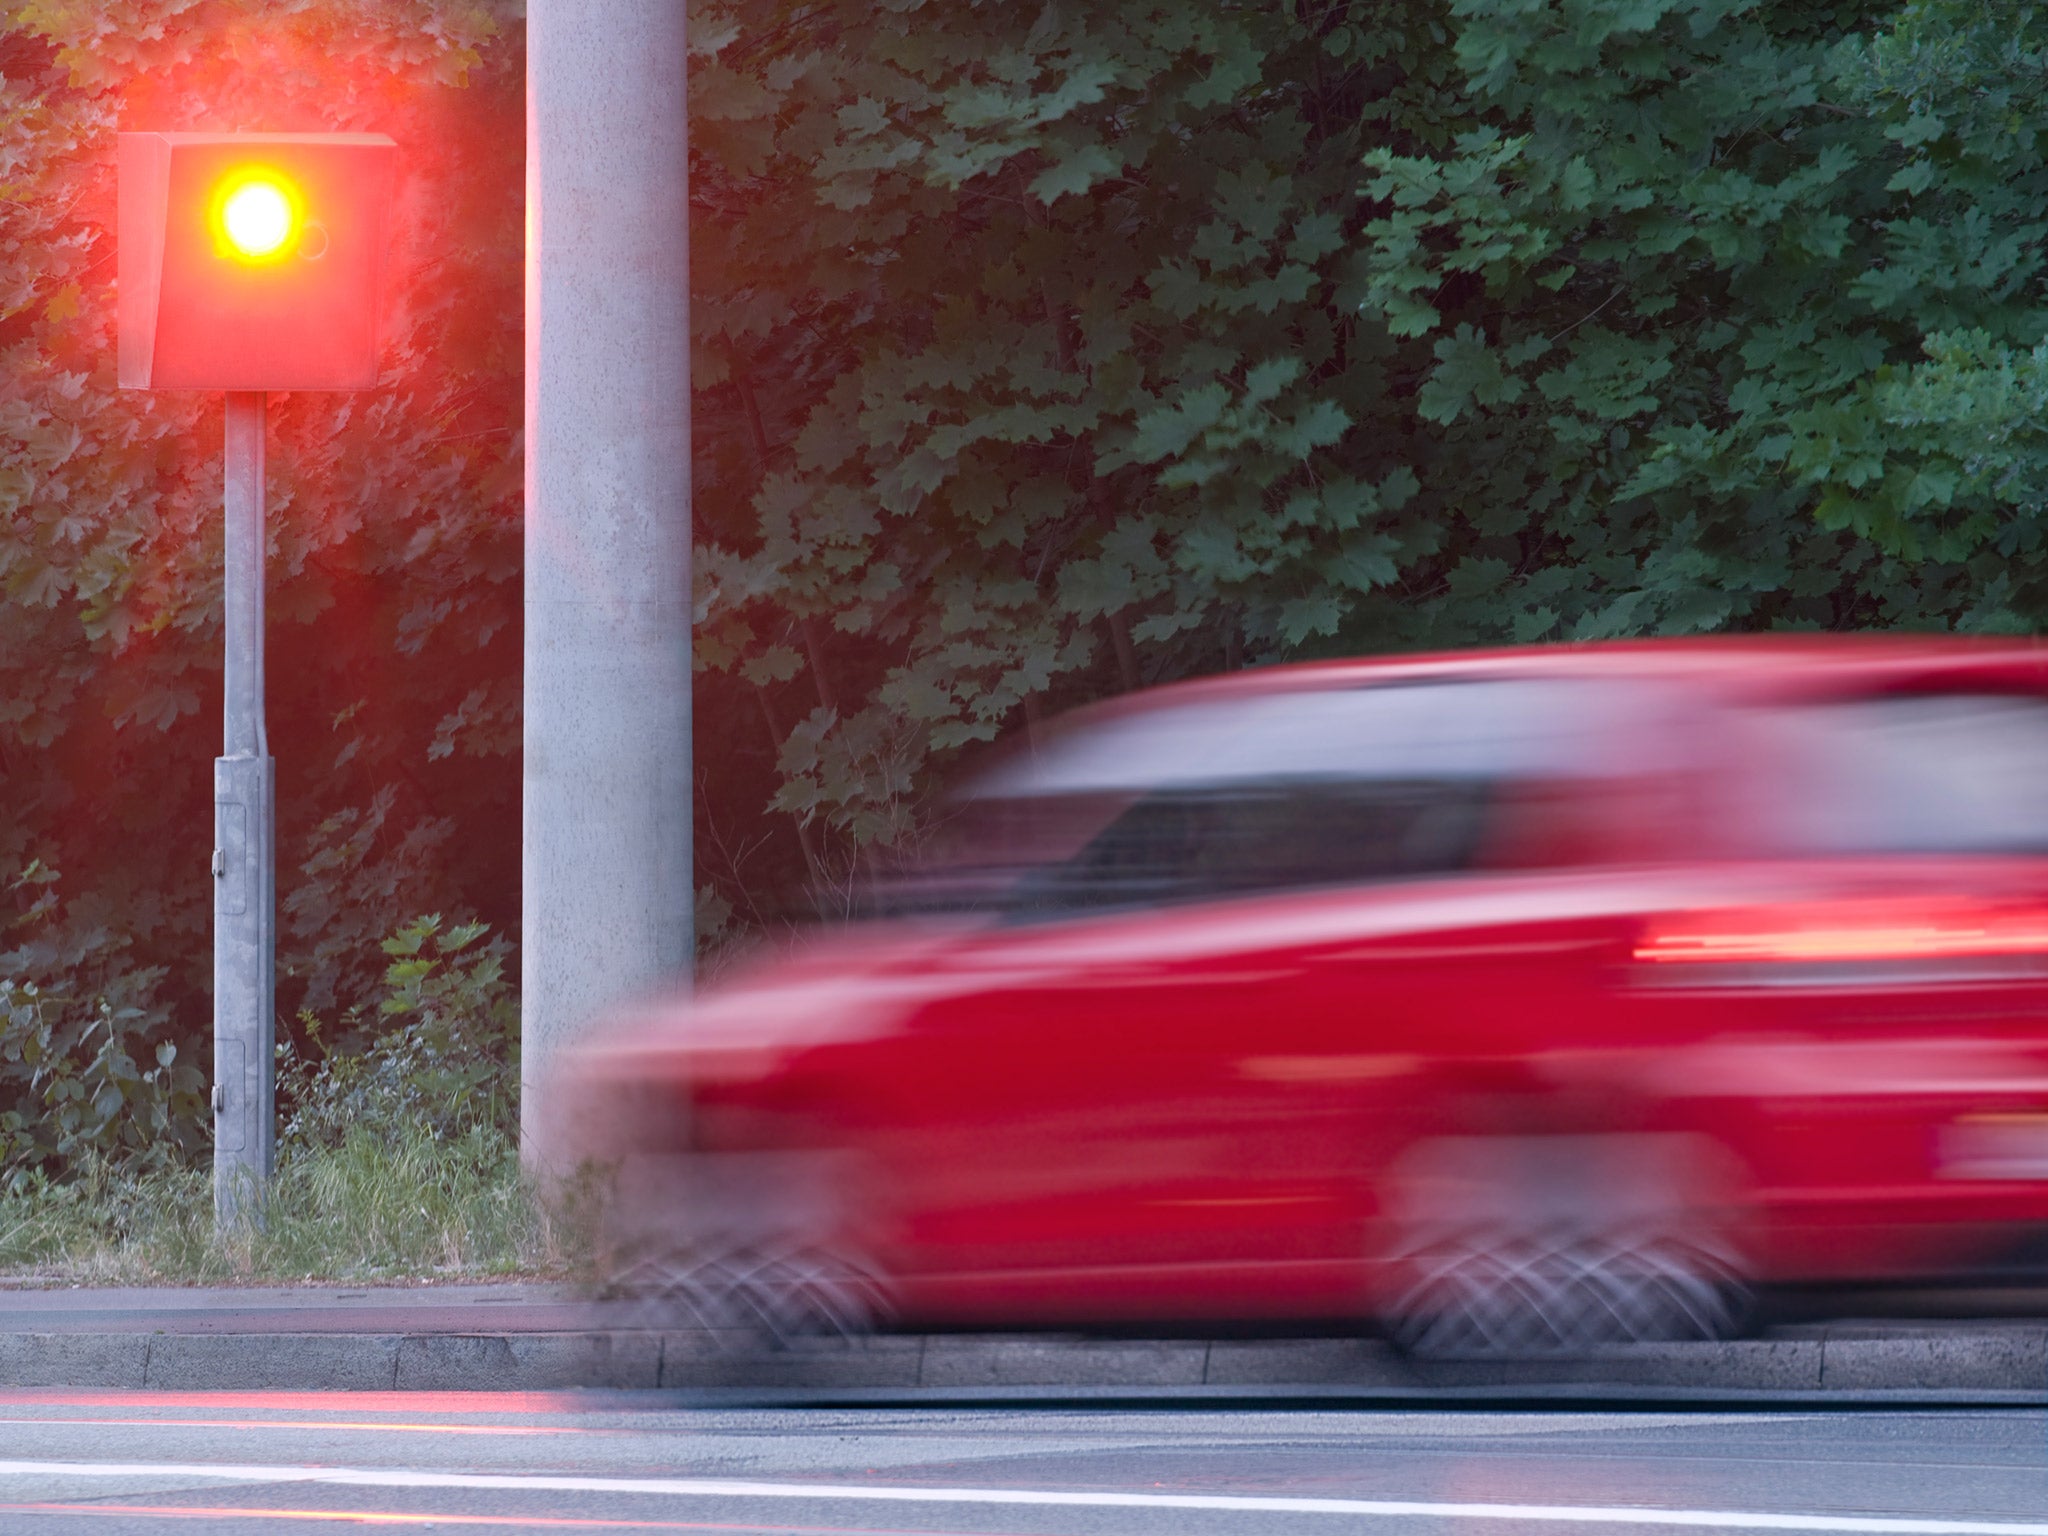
{"x":606,"y":901}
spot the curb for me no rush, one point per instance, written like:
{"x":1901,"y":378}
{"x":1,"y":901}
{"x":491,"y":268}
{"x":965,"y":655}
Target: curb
{"x":1983,"y":1363}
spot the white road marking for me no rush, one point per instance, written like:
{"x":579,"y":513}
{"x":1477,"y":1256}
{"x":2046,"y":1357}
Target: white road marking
{"x":719,"y":1488}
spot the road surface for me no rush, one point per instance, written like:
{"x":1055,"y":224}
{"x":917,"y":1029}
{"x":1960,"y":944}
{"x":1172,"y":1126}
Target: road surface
{"x":272,"y":1462}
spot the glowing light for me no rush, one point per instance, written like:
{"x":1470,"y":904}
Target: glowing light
{"x":1852,"y":931}
{"x":257,"y":215}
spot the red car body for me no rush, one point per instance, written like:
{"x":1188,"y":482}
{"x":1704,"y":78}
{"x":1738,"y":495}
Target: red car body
{"x":1337,"y":990}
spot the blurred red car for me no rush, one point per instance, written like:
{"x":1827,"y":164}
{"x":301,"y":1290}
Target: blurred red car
{"x":1518,"y":1000}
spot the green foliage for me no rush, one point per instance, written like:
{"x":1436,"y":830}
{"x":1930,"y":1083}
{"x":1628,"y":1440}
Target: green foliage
{"x":1029,"y":366}
{"x":1741,"y":277}
{"x":1045,"y":351}
{"x":91,"y":1076}
{"x":442,"y":1060}
{"x":397,"y":1152}
{"x":393,"y":549}
{"x":85,"y":1067}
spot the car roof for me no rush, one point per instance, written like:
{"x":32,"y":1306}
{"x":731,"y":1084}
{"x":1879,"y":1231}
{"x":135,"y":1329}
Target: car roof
{"x":1761,"y":664}
{"x":1735,"y":668}
{"x":1751,"y":668}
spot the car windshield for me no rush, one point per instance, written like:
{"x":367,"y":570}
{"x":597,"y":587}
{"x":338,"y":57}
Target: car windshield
{"x":1285,"y":790}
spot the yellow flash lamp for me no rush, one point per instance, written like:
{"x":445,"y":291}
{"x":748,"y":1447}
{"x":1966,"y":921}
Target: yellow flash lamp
{"x":258,"y":215}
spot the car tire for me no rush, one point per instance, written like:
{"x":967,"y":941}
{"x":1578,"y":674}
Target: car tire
{"x":1507,"y":1295}
{"x":755,"y":1296}
{"x":1530,"y":1246}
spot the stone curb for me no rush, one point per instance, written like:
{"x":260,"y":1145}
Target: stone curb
{"x":1990,"y":1363}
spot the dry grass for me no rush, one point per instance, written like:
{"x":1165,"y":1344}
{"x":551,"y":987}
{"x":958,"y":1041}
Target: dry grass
{"x":370,"y":1211}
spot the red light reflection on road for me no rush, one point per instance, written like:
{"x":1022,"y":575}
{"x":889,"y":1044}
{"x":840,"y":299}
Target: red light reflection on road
{"x":316,"y":1402}
{"x":382,"y":1427}
{"x":519,"y":1522}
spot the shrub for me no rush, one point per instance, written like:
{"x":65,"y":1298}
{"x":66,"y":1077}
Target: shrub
{"x":445,"y":1067}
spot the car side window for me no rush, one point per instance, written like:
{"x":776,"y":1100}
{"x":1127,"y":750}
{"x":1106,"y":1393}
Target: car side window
{"x":1295,"y":791}
{"x":1188,"y":845}
{"x":1960,"y":773}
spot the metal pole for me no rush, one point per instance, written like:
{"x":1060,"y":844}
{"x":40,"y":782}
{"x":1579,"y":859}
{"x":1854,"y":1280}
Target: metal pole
{"x":606,"y":891}
{"x":244,"y":868}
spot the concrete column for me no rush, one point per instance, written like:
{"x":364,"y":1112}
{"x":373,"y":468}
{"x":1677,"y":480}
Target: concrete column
{"x":606,"y":902}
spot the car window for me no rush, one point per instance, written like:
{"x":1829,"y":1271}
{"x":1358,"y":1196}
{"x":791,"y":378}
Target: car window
{"x":1913,"y":773}
{"x":1480,"y":729}
{"x":1192,"y":844}
{"x":1286,"y":790}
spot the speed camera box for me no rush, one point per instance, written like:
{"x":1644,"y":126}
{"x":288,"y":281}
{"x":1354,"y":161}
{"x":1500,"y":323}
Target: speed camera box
{"x":252,"y":261}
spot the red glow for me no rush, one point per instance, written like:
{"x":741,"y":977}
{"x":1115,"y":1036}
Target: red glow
{"x":1852,"y":930}
{"x":307,"y":1402}
{"x":406,"y":1517}
{"x":389,"y":1427}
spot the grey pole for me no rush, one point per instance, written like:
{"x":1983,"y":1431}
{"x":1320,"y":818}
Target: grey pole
{"x":244,"y":872}
{"x":606,"y":895}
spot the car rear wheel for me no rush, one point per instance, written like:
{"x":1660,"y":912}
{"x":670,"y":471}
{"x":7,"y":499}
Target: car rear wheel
{"x":1539,"y":1245}
{"x":767,"y":1295}
{"x":751,"y":1248}
{"x":1505,"y":1294}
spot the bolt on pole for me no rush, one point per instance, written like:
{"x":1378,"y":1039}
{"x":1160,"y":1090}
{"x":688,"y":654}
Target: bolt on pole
{"x":244,"y":863}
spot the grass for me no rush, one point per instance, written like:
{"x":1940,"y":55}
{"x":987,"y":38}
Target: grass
{"x":372,"y":1210}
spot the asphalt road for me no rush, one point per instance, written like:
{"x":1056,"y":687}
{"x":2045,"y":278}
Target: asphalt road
{"x":235,"y":1463}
